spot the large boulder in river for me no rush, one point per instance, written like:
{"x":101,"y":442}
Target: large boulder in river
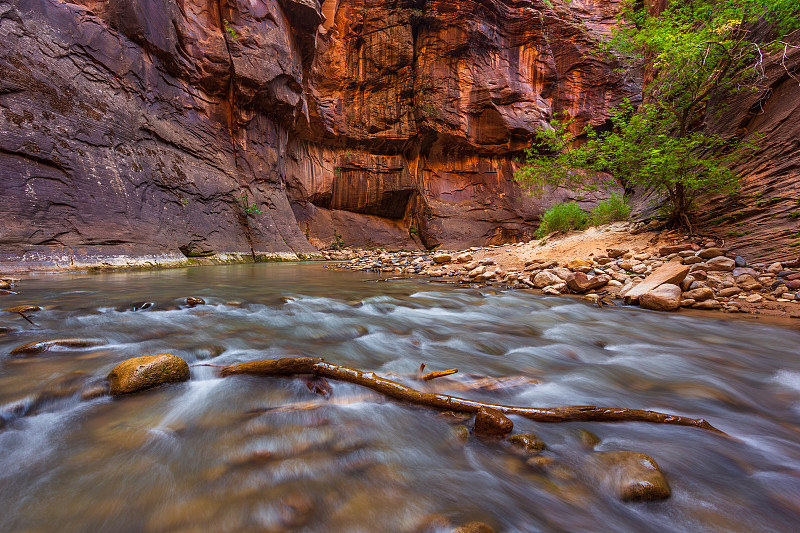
{"x":141,"y":373}
{"x":631,"y":476}
{"x":666,"y":297}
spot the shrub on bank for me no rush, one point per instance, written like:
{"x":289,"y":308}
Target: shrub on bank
{"x":562,"y":216}
{"x":614,"y":208}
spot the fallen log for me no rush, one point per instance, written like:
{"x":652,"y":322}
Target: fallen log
{"x":292,"y":366}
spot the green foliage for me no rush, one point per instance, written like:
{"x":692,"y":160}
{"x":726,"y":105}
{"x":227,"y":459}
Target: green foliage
{"x":613,"y":208}
{"x":307,"y":232}
{"x":696,"y":50}
{"x":412,"y":231}
{"x":229,"y":30}
{"x":249,"y":208}
{"x":338,"y":243}
{"x":562,"y":216}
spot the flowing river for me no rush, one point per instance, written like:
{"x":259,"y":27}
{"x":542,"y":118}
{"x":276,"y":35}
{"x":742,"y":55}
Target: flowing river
{"x":267,"y":454}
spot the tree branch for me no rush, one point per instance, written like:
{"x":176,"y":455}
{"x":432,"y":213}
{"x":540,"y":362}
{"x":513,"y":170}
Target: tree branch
{"x":291,"y":366}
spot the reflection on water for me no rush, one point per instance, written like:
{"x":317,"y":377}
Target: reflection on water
{"x":207,"y":455}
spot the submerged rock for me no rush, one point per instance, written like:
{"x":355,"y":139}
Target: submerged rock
{"x":36,"y":347}
{"x":492,"y":423}
{"x":474,"y":527}
{"x":141,"y":373}
{"x":631,"y":476}
{"x":22,"y":309}
{"x":192,"y":301}
{"x":527,"y":443}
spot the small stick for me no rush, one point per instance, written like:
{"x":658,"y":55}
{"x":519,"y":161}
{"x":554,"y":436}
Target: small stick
{"x":26,"y":318}
{"x":440,"y":373}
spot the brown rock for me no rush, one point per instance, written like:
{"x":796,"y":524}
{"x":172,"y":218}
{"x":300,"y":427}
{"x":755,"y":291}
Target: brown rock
{"x":673,"y":249}
{"x":729,"y":291}
{"x":527,"y":443}
{"x":575,"y":263}
{"x":665,"y":297}
{"x":703,"y":293}
{"x":492,"y":423}
{"x":580,"y":282}
{"x":721,"y":264}
{"x":193,"y":301}
{"x":615,"y":252}
{"x":36,"y":347}
{"x":631,"y":476}
{"x":672,"y":272}
{"x":748,"y":283}
{"x":140,"y":373}
{"x":474,"y":527}
{"x":707,"y":304}
{"x":545,"y":278}
{"x":710,"y":253}
{"x":442,"y":258}
{"x":464,"y":258}
{"x":22,"y":309}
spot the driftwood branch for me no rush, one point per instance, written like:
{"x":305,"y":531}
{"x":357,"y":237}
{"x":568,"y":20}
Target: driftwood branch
{"x":291,"y":366}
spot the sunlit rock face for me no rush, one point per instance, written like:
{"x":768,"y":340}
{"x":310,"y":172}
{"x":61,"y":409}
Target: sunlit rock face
{"x":145,"y":127}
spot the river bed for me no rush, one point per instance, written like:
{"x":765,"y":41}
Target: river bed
{"x":266,"y":454}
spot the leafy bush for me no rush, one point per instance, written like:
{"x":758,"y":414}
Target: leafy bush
{"x":614,"y":208}
{"x":562,"y":217}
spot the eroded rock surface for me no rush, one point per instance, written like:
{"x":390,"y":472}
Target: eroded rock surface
{"x":166,"y":129}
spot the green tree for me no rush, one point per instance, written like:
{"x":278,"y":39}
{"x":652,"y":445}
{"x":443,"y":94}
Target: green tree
{"x":693,"y":50}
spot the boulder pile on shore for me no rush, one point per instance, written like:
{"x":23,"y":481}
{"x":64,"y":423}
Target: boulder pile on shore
{"x":668,"y":278}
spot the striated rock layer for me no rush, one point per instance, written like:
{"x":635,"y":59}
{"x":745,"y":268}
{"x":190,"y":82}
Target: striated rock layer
{"x":163,"y":128}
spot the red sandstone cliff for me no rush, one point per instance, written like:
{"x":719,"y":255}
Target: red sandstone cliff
{"x":136,"y":127}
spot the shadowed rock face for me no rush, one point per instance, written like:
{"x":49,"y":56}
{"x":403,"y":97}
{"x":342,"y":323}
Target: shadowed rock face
{"x":134,"y":127}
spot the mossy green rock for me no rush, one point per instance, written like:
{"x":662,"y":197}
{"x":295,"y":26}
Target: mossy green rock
{"x":141,"y":373}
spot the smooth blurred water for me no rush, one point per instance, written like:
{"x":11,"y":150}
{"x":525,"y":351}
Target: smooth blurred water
{"x":196,"y":457}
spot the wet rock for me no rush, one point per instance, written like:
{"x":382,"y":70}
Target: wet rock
{"x":5,"y":285}
{"x":545,"y":278}
{"x":551,"y":290}
{"x":710,"y":253}
{"x":527,"y":443}
{"x":27,"y":308}
{"x":36,"y":347}
{"x":492,"y":423}
{"x":295,"y":509}
{"x":665,"y":297}
{"x":140,"y":373}
{"x":474,"y":527}
{"x":588,"y":439}
{"x":670,"y":273}
{"x":136,"y":306}
{"x":442,"y":258}
{"x":700,"y":294}
{"x":193,"y":301}
{"x":580,"y":282}
{"x":94,"y":391}
{"x":721,"y":264}
{"x":631,"y":476}
{"x":687,"y":302}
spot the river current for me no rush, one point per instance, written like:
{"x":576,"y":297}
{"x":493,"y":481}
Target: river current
{"x":267,"y":454}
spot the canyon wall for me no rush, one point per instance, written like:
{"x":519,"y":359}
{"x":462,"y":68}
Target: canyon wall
{"x":162,"y":128}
